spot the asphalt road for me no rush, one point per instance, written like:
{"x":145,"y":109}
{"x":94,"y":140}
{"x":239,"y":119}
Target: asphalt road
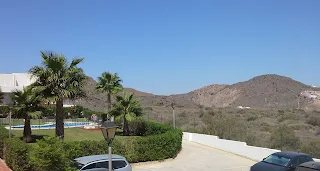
{"x":196,"y":157}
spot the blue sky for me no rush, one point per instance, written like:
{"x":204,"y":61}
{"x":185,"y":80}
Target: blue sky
{"x":167,"y":46}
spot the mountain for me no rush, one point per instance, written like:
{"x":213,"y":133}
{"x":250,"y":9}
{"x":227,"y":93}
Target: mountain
{"x":266,"y":91}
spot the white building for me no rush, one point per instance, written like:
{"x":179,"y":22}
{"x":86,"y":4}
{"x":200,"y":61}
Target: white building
{"x":17,"y":81}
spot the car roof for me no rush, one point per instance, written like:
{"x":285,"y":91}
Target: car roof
{"x":312,"y":164}
{"x":290,"y":154}
{"x":89,"y":159}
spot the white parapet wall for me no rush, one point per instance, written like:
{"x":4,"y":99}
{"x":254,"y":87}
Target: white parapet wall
{"x":235,"y":147}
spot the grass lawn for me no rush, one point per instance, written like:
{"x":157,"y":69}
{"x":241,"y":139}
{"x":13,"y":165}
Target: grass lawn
{"x":71,"y":134}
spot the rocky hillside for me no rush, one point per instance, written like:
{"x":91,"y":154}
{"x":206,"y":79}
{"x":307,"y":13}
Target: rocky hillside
{"x":266,"y":91}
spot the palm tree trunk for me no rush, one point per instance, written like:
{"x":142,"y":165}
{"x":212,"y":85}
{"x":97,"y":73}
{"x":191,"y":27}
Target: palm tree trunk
{"x":27,"y":130}
{"x":109,"y":108}
{"x":59,"y":119}
{"x":125,"y":126}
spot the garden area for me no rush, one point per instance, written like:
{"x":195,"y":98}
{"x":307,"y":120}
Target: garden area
{"x":155,"y":142}
{"x":55,"y":149}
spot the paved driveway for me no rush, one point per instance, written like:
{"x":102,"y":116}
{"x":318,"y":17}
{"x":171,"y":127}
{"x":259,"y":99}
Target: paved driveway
{"x":194,"y":157}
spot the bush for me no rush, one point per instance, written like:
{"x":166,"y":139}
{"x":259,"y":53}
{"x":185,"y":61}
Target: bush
{"x":312,"y":148}
{"x":284,"y":138}
{"x":137,"y":128}
{"x":48,"y":154}
{"x":16,"y":154}
{"x":156,"y":128}
{"x":52,"y":154}
{"x":4,"y":133}
{"x":285,"y":117}
{"x":252,"y":118}
{"x":314,"y":120}
{"x":163,"y":142}
{"x":4,"y":110}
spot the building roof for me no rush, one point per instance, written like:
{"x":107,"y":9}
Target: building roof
{"x":88,"y":159}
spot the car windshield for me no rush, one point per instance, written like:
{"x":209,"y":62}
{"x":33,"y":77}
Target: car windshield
{"x":277,"y":160}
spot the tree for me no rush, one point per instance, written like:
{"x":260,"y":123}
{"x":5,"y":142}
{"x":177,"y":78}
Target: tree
{"x":26,"y":105}
{"x":111,"y":84}
{"x":126,"y":108}
{"x":1,"y":97}
{"x":58,"y":80}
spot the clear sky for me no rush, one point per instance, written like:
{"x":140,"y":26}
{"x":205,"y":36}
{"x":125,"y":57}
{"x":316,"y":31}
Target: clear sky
{"x":167,"y":46}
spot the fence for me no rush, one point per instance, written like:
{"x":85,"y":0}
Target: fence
{"x":15,"y":122}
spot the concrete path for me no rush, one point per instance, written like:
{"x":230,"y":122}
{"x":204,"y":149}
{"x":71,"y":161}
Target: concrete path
{"x":194,"y":156}
{"x":3,"y":166}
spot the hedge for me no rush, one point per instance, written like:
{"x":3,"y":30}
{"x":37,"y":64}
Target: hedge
{"x":16,"y":154}
{"x":4,"y":133}
{"x":161,"y":143}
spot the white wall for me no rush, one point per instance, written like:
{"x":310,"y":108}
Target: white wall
{"x":235,"y":147}
{"x":6,"y":80}
{"x":15,"y":81}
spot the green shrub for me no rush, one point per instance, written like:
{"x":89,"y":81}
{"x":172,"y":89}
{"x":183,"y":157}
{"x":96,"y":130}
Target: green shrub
{"x":4,"y":133}
{"x":163,"y":142}
{"x":16,"y":154}
{"x":52,"y":154}
{"x":4,"y":110}
{"x":137,"y":128}
{"x":156,"y":128}
{"x":48,"y":154}
{"x":312,"y":148}
{"x":314,"y":120}
{"x":158,"y":147}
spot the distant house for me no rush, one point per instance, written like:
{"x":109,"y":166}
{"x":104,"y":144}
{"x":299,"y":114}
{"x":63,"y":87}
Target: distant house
{"x":241,"y":107}
{"x":17,"y":81}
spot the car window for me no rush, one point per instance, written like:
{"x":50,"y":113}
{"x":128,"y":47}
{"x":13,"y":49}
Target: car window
{"x":303,"y":159}
{"x":90,"y":166}
{"x":102,"y":164}
{"x":304,"y":169}
{"x":277,"y":160}
{"x":118,"y":164}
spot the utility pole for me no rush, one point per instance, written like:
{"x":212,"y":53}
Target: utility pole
{"x":173,"y":116}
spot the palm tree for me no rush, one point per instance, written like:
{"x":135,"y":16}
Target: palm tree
{"x":111,"y":84}
{"x":1,"y":97}
{"x":126,"y":108}
{"x":26,"y":105}
{"x":58,"y":80}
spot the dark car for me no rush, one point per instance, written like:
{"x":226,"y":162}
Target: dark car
{"x":281,"y":161}
{"x":309,"y":166}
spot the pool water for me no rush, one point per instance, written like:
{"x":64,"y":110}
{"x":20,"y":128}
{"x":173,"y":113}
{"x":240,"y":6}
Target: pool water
{"x":53,"y":125}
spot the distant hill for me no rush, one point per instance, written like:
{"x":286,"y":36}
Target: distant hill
{"x":266,"y":91}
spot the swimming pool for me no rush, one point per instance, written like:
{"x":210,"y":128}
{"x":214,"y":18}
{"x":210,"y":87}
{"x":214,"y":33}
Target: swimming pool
{"x":53,"y":125}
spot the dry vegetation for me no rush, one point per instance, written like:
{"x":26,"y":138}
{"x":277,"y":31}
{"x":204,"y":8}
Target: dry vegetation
{"x":272,"y":128}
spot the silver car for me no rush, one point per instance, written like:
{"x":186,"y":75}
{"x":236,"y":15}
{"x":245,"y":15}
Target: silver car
{"x":100,"y":163}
